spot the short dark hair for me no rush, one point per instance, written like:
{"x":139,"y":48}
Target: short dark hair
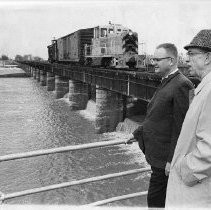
{"x":170,"y":48}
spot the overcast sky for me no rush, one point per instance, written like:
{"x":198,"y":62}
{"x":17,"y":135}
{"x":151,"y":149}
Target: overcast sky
{"x":27,"y":27}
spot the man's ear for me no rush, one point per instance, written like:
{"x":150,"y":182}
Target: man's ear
{"x":208,"y":58}
{"x":172,"y":60}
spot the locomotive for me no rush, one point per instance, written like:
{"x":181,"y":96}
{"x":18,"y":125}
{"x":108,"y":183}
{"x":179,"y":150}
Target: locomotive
{"x":111,"y":45}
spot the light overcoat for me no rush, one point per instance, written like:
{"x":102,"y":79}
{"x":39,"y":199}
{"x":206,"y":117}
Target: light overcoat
{"x":189,"y":183}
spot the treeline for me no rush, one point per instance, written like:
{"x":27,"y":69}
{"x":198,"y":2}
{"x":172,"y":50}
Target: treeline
{"x":21,"y":58}
{"x":4,"y":58}
{"x":28,"y":58}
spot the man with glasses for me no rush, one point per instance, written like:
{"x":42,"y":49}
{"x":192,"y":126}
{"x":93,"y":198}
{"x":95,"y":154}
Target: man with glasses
{"x":158,"y":134}
{"x":190,"y":175}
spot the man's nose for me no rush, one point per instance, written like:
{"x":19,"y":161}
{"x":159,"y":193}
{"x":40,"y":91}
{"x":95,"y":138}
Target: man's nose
{"x":187,"y":59}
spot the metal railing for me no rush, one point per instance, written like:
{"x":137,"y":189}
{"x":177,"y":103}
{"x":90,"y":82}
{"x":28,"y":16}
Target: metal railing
{"x":4,"y":197}
{"x":118,"y":198}
{"x":60,"y":149}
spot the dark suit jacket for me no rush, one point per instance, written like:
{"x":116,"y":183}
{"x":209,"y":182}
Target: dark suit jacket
{"x":160,"y":130}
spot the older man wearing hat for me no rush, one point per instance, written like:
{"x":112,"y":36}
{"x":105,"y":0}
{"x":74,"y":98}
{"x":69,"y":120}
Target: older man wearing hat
{"x":189,"y":183}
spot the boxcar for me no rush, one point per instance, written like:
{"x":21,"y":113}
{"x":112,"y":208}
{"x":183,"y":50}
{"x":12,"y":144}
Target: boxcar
{"x":71,"y":46}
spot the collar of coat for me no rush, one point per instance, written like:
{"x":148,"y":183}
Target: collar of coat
{"x":171,"y":76}
{"x":175,"y":70}
{"x":205,"y":80}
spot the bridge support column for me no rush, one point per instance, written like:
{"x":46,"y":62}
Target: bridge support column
{"x":61,"y":86}
{"x":78,"y":94}
{"x":109,"y":111}
{"x":43,"y":78}
{"x":31,"y":71}
{"x":38,"y":75}
{"x":34,"y":73}
{"x":50,"y":81}
{"x":27,"y":69}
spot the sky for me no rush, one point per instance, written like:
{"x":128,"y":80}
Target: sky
{"x":27,"y":27}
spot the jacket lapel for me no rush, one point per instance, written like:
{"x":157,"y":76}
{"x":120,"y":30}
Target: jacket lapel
{"x":162,"y":85}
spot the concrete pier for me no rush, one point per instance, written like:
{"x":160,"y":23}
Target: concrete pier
{"x":78,"y":94}
{"x":43,"y":78}
{"x":31,"y":71}
{"x":61,"y":86}
{"x":50,"y":81}
{"x":38,"y":75}
{"x":27,"y":70}
{"x":34,"y":73}
{"x":109,"y":110}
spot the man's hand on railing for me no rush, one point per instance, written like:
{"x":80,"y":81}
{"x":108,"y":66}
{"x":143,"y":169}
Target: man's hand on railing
{"x":130,"y":139}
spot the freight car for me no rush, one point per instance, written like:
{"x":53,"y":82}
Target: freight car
{"x":70,"y":48}
{"x":112,"y":45}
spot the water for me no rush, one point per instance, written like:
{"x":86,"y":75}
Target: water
{"x":31,"y":119}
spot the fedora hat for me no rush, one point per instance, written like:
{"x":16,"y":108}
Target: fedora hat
{"x":202,"y":40}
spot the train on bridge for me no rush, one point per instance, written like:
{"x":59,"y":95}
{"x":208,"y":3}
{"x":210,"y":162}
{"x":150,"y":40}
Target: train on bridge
{"x":112,"y":45}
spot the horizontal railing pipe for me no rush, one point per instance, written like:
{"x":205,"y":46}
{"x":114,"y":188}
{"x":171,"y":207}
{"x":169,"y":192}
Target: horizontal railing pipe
{"x":118,"y":198}
{"x":71,"y":183}
{"x":61,"y":149}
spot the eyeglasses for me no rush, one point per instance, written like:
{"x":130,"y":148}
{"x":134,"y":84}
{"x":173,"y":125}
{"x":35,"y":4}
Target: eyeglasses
{"x":153,"y":60}
{"x":191,"y":54}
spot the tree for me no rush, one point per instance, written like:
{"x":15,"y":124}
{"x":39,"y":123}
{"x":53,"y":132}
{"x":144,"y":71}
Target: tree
{"x":27,"y":57}
{"x":18,"y":58}
{"x":4,"y":57}
{"x":37,"y":58}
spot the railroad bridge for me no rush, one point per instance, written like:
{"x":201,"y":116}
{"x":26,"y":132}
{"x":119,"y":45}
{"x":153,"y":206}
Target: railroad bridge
{"x":117,"y":93}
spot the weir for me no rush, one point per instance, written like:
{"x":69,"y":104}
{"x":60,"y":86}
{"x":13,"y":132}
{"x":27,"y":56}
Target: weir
{"x":118,"y":94}
{"x":71,"y":181}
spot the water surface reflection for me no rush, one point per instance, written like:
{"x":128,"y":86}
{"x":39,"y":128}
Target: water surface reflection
{"x":32,"y":119}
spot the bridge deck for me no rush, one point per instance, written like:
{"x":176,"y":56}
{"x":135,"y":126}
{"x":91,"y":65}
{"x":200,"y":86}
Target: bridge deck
{"x":137,"y":84}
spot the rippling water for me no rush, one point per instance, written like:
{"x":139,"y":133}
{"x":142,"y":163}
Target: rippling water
{"x":31,"y":119}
